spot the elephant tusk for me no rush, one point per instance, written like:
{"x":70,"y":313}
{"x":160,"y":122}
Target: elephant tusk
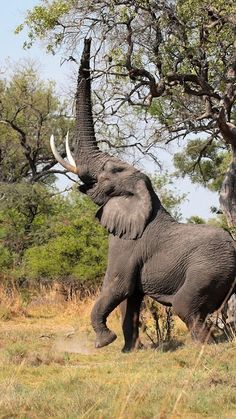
{"x":68,"y":166}
{"x":68,"y":152}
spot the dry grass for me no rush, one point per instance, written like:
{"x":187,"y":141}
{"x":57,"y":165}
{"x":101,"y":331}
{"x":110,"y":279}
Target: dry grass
{"x":49,"y":368}
{"x":11,"y":303}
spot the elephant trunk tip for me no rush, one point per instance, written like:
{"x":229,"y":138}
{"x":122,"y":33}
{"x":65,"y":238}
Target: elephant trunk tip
{"x":84,"y":70}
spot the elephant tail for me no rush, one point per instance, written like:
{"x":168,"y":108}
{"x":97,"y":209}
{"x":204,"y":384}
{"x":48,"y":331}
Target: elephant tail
{"x":234,"y":288}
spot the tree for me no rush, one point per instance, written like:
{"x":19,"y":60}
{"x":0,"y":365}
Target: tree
{"x":72,"y":247}
{"x":205,"y":165}
{"x":29,"y":112}
{"x":174,"y":59}
{"x":23,"y":211}
{"x":47,"y":237}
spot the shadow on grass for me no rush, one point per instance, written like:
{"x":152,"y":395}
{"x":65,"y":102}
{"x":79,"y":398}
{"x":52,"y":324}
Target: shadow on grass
{"x":170,"y":346}
{"x":40,"y":316}
{"x":31,"y":316}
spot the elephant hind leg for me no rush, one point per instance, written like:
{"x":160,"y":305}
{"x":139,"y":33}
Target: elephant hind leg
{"x":196,"y":323}
{"x":200,"y":330}
{"x":193,"y":311}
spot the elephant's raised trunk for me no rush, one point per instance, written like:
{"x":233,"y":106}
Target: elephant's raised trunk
{"x":85,"y":136}
{"x":88,"y":158}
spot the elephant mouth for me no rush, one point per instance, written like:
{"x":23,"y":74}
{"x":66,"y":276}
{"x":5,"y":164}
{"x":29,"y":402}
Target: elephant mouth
{"x":87,"y":187}
{"x":99,"y":195}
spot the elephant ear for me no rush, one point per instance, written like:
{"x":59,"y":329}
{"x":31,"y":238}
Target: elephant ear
{"x":126,"y":216}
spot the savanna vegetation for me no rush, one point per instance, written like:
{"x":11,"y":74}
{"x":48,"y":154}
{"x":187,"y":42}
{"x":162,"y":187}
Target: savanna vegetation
{"x":164,"y":76}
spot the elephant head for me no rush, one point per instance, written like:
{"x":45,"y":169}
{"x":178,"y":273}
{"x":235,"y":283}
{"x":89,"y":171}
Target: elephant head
{"x":123,"y":193}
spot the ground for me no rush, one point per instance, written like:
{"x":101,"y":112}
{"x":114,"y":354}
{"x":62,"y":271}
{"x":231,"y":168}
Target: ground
{"x":50,"y":368}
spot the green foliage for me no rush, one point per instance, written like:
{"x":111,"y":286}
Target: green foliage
{"x":43,"y":18}
{"x":180,"y":22}
{"x":24,"y":208}
{"x":5,"y":258}
{"x":205,"y":163}
{"x":194,"y":219}
{"x":193,"y":15}
{"x":47,"y":237}
{"x":76,"y":245}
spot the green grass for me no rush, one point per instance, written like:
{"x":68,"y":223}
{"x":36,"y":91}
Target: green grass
{"x":42,"y":376}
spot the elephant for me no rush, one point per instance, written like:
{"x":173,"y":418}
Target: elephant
{"x":189,"y":267}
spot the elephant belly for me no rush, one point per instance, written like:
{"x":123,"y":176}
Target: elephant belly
{"x":161,"y":276}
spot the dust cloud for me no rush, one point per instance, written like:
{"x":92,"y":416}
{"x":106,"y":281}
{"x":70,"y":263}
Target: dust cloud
{"x":77,"y":342}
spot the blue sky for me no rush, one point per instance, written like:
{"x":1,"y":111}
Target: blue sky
{"x":12,"y":14}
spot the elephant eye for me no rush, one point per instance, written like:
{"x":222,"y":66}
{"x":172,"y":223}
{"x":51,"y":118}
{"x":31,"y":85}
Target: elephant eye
{"x":117,"y":169}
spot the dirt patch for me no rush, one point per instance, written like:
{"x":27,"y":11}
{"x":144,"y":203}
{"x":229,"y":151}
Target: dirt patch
{"x":74,"y":343}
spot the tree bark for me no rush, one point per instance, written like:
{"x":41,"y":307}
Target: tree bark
{"x":228,"y":206}
{"x":228,"y":195}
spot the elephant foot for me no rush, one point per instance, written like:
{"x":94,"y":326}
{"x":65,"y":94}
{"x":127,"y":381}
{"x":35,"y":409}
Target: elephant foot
{"x":203,"y":338}
{"x":127,"y":349}
{"x":105,"y":338}
{"x":202,"y":332}
{"x":133,"y":346}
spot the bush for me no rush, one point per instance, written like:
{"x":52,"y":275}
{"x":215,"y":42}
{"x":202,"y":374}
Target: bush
{"x":48,"y":237}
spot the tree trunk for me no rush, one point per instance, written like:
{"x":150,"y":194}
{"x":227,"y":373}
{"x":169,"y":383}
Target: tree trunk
{"x":228,"y":206}
{"x":228,"y":195}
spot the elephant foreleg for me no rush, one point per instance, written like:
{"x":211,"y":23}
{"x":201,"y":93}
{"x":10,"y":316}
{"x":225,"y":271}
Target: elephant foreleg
{"x":111,"y":296}
{"x":130,"y":310}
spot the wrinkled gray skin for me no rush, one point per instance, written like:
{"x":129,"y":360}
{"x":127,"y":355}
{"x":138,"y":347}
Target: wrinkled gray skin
{"x":189,"y":267}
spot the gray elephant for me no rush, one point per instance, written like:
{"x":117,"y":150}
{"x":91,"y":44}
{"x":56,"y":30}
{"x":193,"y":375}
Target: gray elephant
{"x":189,"y":267}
